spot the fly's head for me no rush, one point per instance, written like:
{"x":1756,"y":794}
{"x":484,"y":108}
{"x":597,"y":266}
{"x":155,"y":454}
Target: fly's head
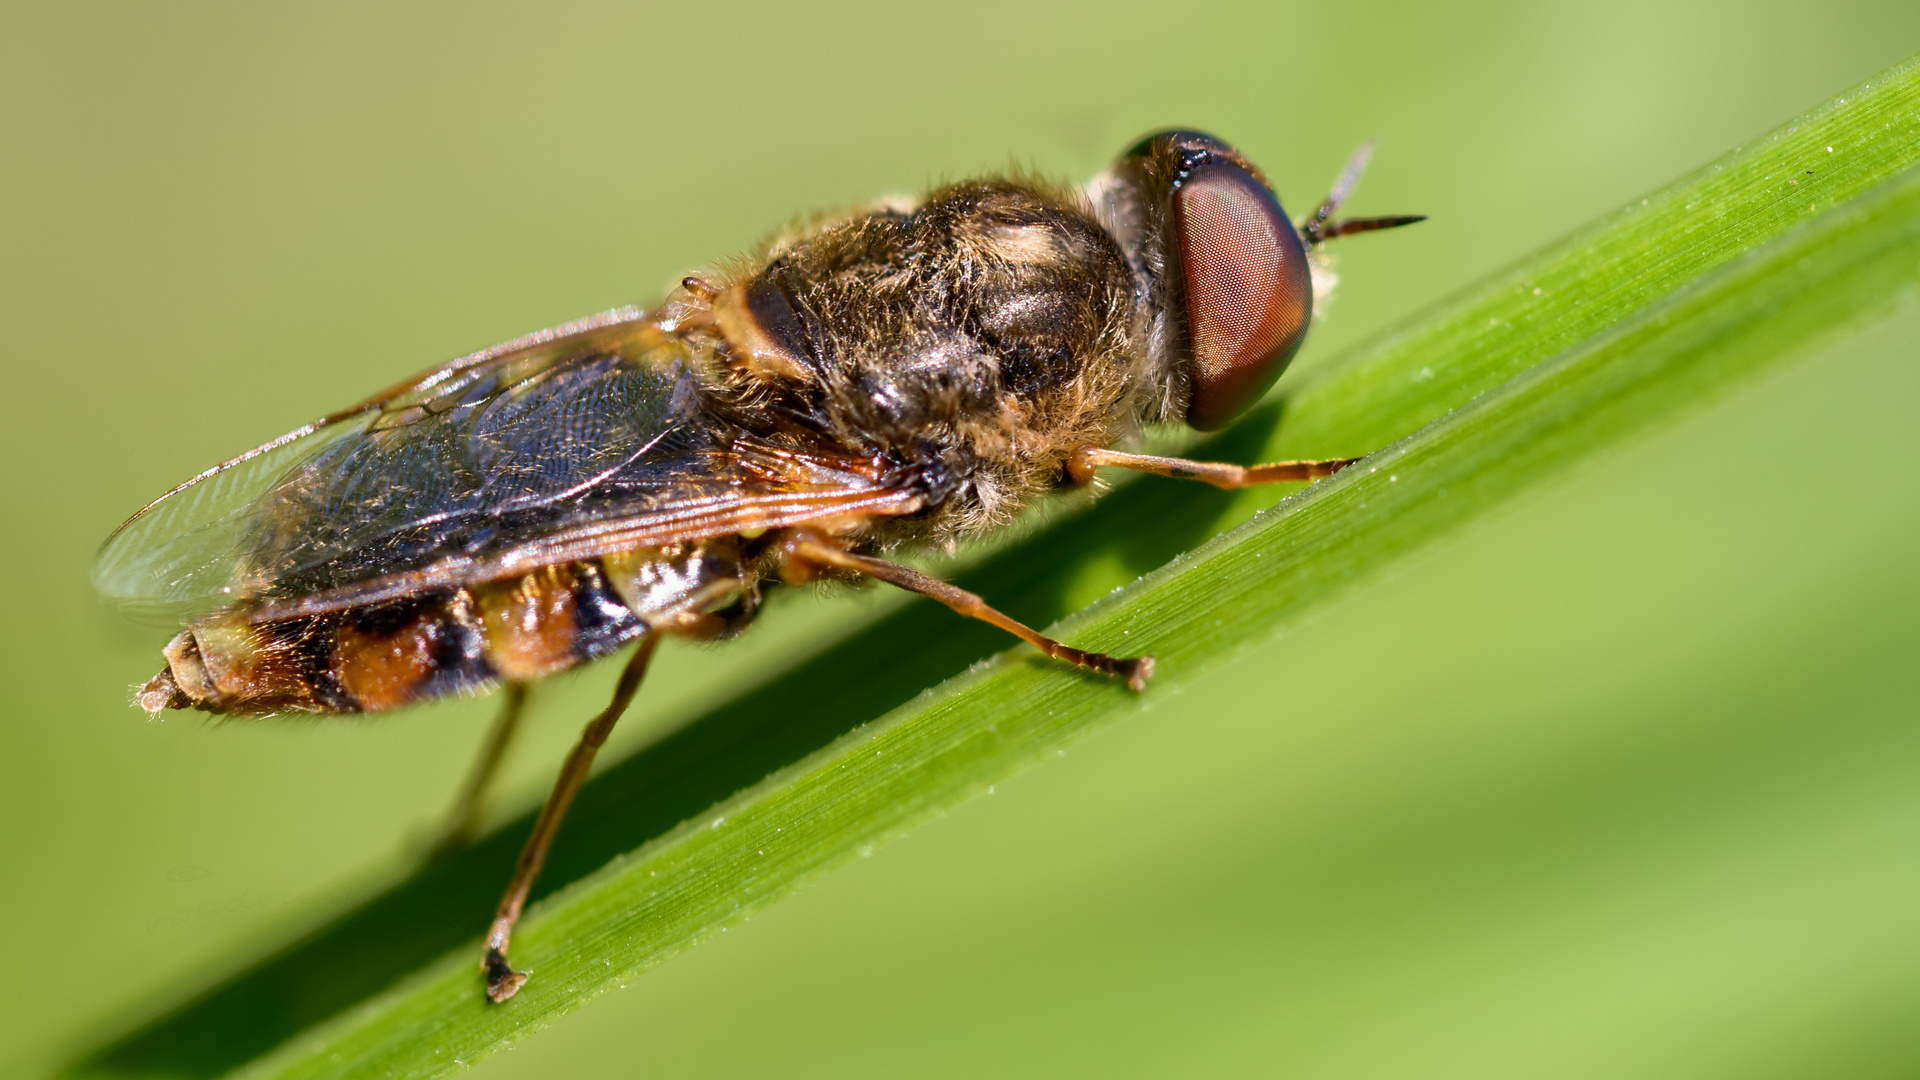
{"x":1229,"y":293}
{"x":1226,"y":281}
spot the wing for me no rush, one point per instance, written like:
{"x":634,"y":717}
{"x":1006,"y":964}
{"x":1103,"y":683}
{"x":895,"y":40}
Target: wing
{"x":587,"y":438}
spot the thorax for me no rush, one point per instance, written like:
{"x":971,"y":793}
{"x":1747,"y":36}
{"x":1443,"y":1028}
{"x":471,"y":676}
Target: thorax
{"x":975,"y":338}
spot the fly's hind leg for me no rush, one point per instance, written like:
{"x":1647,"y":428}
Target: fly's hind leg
{"x":463,"y":819}
{"x":806,"y":552}
{"x":1085,"y":459}
{"x":502,"y":981}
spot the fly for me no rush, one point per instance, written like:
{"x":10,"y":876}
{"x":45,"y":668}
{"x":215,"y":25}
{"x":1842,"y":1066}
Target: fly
{"x":913,"y":373}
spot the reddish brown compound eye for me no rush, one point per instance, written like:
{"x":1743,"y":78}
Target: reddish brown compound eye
{"x":1249,"y":295}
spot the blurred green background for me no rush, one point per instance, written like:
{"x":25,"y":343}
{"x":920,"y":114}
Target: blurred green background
{"x":1623,"y":782}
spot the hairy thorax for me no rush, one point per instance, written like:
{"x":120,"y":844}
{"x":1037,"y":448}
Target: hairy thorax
{"x":972,"y":339}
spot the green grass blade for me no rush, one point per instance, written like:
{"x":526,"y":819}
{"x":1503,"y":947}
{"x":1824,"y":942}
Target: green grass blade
{"x":1648,"y":312}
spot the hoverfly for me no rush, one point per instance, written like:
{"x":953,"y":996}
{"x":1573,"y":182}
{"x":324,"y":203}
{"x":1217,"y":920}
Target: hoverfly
{"x":910,"y":373}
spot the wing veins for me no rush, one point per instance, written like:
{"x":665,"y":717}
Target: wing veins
{"x":731,"y":515}
{"x":427,"y":380}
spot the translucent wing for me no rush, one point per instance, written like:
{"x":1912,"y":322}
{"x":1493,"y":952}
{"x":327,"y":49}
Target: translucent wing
{"x":565,"y":444}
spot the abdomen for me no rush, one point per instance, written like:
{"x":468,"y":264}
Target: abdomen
{"x":447,"y":641}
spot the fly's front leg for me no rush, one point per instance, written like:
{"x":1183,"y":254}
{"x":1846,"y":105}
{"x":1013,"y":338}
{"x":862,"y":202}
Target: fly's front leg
{"x":1085,"y":459}
{"x":806,"y":552}
{"x":502,"y":981}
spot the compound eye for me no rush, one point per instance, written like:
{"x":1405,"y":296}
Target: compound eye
{"x":1249,"y":294}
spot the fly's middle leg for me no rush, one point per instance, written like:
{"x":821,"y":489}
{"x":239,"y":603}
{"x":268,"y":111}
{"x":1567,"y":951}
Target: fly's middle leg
{"x":806,"y":552}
